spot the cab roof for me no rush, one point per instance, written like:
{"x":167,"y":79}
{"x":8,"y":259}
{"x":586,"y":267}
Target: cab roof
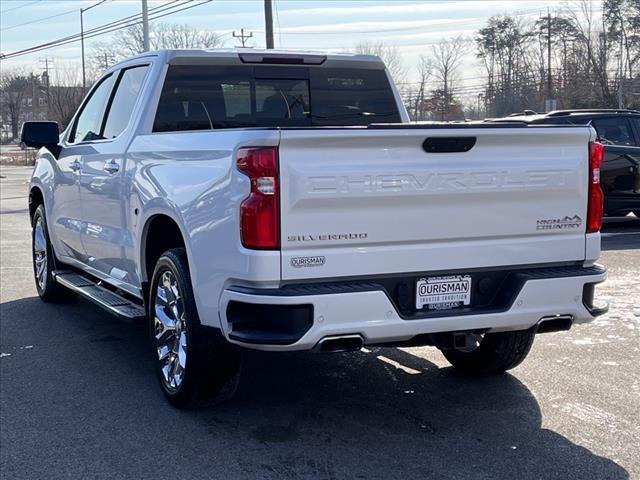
{"x":242,"y":56}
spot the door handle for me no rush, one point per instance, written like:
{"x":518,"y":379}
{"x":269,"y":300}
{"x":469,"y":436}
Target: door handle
{"x":75,"y":165}
{"x":111,"y":166}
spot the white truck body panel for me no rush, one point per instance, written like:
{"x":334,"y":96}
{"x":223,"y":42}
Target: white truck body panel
{"x":430,"y":211}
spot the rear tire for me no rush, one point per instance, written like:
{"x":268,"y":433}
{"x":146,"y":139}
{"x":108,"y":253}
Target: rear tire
{"x":497,"y":353}
{"x":44,"y":262}
{"x":194,"y":364}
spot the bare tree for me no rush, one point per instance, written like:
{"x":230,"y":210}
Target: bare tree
{"x":182,"y":36}
{"x":65,"y":94}
{"x":447,"y":59}
{"x":101,"y":57}
{"x":13,"y":89}
{"x":390,"y":55}
{"x":622,"y":25}
{"x":593,"y":51}
{"x":514,"y":63}
{"x":129,"y":42}
{"x":425,"y":73}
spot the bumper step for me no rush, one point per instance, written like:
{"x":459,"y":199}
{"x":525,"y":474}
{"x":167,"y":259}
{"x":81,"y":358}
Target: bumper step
{"x":101,"y":296}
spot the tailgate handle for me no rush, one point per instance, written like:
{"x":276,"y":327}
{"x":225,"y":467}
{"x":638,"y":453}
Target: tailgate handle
{"x":448,"y":144}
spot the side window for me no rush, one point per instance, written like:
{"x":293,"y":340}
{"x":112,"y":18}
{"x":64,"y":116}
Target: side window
{"x":87,"y":125}
{"x":127,"y":91}
{"x":636,"y":124}
{"x":614,"y":131}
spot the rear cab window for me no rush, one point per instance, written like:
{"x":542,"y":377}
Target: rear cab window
{"x":614,"y":131}
{"x":198,"y":97}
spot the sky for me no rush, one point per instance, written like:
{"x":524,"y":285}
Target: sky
{"x":334,"y":25}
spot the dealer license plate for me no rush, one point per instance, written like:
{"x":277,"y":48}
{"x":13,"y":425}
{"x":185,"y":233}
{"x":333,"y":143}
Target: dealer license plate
{"x":442,"y":293}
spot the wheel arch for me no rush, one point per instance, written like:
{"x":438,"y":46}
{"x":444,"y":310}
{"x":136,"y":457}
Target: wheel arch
{"x":36,"y":198}
{"x":161,"y":232}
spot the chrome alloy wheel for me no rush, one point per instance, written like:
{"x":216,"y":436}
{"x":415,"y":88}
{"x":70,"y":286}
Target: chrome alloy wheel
{"x":40,"y":254}
{"x":170,"y":331}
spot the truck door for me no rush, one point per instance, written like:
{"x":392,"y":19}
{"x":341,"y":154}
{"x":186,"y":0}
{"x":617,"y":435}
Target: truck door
{"x":65,"y":216}
{"x":106,"y":238}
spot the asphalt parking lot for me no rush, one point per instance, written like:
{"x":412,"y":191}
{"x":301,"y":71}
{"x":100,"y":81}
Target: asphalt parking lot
{"x":78,"y":400}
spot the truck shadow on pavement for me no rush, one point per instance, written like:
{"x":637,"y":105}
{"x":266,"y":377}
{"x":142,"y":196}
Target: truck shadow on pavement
{"x":86,"y":386}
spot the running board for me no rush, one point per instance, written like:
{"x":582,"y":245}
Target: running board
{"x":101,"y":296}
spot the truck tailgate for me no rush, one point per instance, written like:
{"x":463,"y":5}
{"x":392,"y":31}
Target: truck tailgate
{"x":369,"y":201}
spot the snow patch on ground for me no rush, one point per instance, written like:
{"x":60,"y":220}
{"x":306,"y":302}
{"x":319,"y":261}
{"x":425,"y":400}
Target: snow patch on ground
{"x":588,"y":413}
{"x":589,"y":341}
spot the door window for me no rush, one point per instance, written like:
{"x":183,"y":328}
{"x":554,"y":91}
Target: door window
{"x":87,"y":125}
{"x":636,"y":125}
{"x":614,"y":131}
{"x":124,"y":100}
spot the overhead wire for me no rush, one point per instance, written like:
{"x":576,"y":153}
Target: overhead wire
{"x":521,"y":13}
{"x":154,"y":14}
{"x":38,"y":20}
{"x":11,"y":27}
{"x":19,"y":6}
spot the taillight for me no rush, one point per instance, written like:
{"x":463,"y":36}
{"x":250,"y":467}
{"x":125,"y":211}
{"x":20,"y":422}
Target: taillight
{"x":595,"y":208}
{"x":260,"y":211}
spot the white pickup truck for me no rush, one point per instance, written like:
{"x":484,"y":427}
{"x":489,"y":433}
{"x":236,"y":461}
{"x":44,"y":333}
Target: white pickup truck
{"x":282,"y":201}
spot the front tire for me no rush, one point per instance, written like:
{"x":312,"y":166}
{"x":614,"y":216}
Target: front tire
{"x":496,"y":353}
{"x":44,"y":262}
{"x":193,"y":363}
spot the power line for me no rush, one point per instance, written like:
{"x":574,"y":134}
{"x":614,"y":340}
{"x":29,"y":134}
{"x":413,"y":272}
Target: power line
{"x":93,"y":31}
{"x":38,"y":20}
{"x":51,"y":16}
{"x":522,"y":13}
{"x":158,"y":12}
{"x":139,"y":20}
{"x":19,"y":6}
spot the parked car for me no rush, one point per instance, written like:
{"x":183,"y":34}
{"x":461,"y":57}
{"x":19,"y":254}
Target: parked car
{"x":619,"y":132}
{"x":251,"y":199}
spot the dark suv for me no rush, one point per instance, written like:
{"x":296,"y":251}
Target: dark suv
{"x":619,"y":131}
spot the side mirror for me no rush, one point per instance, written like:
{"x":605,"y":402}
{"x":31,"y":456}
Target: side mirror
{"x":40,"y":134}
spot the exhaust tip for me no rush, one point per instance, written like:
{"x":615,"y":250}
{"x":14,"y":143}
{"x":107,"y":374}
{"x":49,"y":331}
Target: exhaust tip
{"x":555,"y":323}
{"x":341,"y":343}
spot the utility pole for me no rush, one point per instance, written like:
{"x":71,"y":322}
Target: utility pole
{"x":145,"y":26}
{"x":84,"y":74}
{"x":46,"y":60}
{"x":106,"y":61}
{"x":82,"y":10}
{"x":621,"y":77}
{"x":47,"y":78}
{"x":268,"y":22}
{"x":548,"y":54}
{"x":243,"y":38}
{"x":549,"y":103}
{"x":621,"y":93}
